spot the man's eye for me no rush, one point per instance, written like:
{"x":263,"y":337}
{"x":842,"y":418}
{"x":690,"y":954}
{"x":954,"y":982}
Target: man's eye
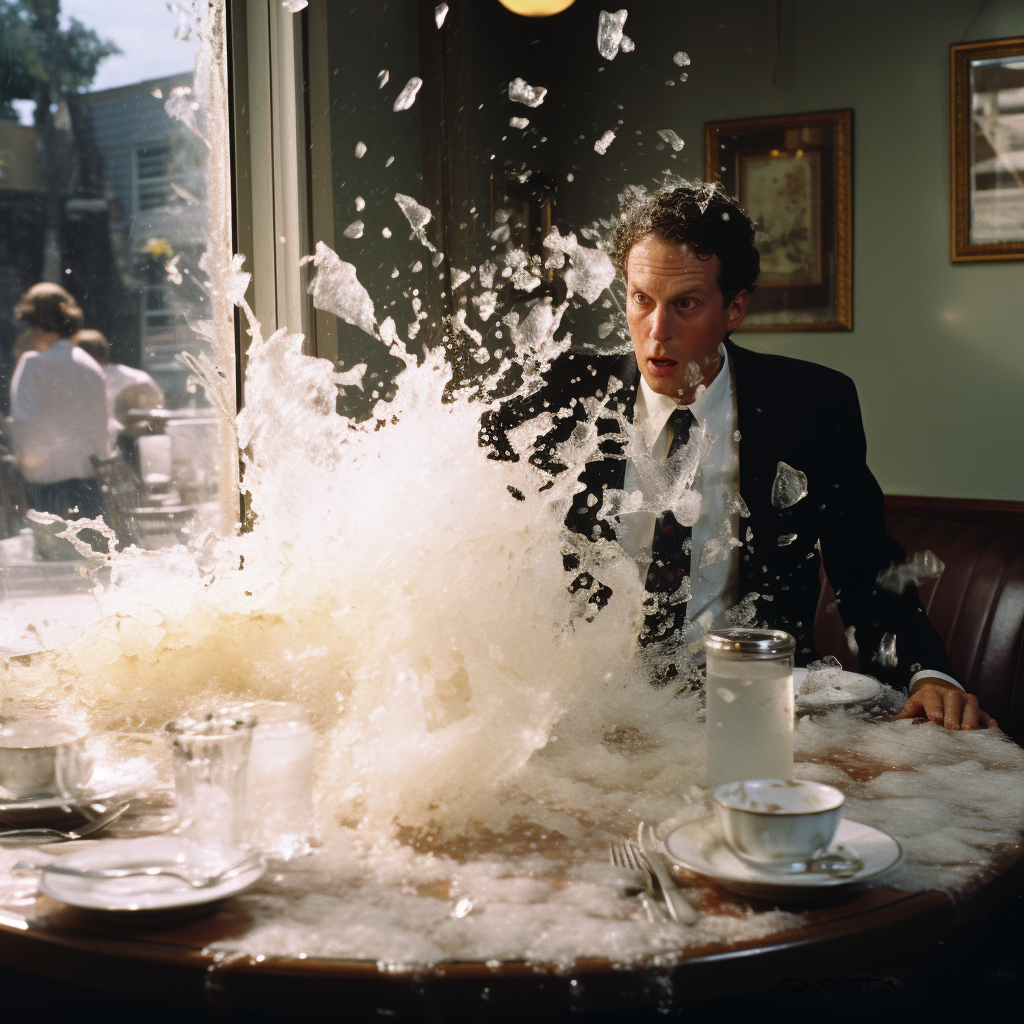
{"x":639,"y":297}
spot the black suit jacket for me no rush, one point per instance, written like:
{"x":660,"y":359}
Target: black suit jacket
{"x":790,"y":411}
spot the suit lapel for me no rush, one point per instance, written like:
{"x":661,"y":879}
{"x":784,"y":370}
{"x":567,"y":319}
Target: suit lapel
{"x":755,"y":392}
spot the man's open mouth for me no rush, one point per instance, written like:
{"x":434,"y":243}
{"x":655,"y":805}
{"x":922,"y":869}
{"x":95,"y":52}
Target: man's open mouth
{"x":662,"y":365}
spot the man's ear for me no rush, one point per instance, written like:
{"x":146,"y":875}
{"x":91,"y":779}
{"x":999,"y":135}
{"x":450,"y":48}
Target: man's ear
{"x":737,"y":309}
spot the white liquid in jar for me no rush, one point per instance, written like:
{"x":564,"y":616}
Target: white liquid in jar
{"x":750,"y":720}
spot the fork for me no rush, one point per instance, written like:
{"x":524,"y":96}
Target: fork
{"x":679,"y":910}
{"x":196,"y":879}
{"x":53,"y":835}
{"x":623,"y":856}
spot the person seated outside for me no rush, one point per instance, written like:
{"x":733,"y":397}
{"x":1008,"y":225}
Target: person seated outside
{"x":784,"y":486}
{"x":58,"y":409}
{"x":127,"y":387}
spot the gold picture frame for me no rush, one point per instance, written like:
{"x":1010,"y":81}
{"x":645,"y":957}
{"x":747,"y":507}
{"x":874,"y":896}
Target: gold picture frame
{"x":792,"y":175}
{"x":987,"y":153}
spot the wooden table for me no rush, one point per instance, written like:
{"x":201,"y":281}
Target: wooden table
{"x":169,"y":963}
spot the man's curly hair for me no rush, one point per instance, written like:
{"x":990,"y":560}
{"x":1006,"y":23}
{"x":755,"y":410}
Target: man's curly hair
{"x":696,"y":214}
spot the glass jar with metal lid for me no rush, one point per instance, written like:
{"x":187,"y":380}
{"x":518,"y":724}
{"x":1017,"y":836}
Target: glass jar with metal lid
{"x":749,"y":704}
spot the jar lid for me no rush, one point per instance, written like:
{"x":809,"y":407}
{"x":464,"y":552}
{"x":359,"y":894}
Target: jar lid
{"x":211,"y":723}
{"x":754,"y":643}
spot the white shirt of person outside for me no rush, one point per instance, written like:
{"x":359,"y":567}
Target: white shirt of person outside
{"x":58,"y":413}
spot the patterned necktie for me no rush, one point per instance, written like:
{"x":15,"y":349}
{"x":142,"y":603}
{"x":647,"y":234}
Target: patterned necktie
{"x":670,"y":553}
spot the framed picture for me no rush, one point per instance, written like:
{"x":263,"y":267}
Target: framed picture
{"x":792,"y":175}
{"x":987,"y":108}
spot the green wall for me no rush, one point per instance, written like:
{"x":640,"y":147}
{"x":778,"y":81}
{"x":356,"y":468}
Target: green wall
{"x":937,"y":349}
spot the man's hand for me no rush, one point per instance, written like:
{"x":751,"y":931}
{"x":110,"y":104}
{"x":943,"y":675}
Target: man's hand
{"x":945,"y":704}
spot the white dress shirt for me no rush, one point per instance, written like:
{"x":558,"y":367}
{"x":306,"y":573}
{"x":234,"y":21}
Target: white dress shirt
{"x":715,"y":588}
{"x":58,"y":414}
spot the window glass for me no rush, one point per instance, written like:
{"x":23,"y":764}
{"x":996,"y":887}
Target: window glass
{"x":102,"y":194}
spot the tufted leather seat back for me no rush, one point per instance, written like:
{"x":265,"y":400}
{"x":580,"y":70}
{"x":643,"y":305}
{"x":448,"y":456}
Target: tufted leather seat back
{"x":977,"y":606}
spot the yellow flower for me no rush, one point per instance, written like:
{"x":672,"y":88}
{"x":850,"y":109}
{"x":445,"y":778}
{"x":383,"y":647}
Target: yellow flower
{"x":158,"y":248}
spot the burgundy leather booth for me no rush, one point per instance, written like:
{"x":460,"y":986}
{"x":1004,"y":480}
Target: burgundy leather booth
{"x":977,"y":606}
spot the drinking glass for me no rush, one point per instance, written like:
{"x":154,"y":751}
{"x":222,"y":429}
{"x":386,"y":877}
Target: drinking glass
{"x":749,"y":704}
{"x":279,"y":791}
{"x":211,"y":755}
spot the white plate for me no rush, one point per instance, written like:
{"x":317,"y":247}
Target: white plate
{"x":146,"y":892}
{"x":699,"y":846}
{"x":853,"y":688}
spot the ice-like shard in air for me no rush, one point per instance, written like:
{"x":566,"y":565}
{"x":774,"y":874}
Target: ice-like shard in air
{"x":790,"y":486}
{"x":609,"y":32}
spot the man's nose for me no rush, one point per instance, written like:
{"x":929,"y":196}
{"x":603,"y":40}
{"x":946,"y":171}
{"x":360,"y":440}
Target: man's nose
{"x":661,"y":324}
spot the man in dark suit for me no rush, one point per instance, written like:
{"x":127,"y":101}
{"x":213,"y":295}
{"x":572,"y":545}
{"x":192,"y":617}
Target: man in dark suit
{"x":783,"y":479}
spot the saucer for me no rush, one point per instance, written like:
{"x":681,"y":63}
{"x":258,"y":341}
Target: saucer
{"x":699,"y":846}
{"x":142,"y":893}
{"x":853,"y":689}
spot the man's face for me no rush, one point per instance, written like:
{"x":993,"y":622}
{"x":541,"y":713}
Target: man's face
{"x":677,"y":317}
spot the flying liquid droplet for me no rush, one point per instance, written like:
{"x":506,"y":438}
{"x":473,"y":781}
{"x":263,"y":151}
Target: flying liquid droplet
{"x":886,"y":655}
{"x":671,"y":138}
{"x":786,"y":539}
{"x":462,"y":908}
{"x":609,"y":32}
{"x":789,"y":487}
{"x":386,"y":232}
{"x":627,"y":45}
{"x":407,"y":97}
{"x":518,"y":122}
{"x":360,"y":149}
{"x":360,"y":204}
{"x":851,"y":640}
{"x":440,"y":13}
{"x":390,"y":160}
{"x":924,"y":565}
{"x":485,"y":303}
{"x":382,"y":78}
{"x":602,"y":144}
{"x":354,"y":230}
{"x":336,"y":289}
{"x":682,"y":59}
{"x":294,"y":6}
{"x":520,"y":91}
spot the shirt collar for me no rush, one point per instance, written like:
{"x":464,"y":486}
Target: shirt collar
{"x":652,"y":411}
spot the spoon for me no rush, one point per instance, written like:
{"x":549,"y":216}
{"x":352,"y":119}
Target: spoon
{"x":21,"y":836}
{"x":195,"y":877}
{"x":834,"y":865}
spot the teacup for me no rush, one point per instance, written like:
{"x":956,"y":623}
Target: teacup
{"x":778,"y":825}
{"x":42,"y":758}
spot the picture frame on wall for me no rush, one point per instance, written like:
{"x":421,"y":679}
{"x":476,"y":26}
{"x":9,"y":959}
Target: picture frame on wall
{"x":792,"y":174}
{"x":987,"y":134}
